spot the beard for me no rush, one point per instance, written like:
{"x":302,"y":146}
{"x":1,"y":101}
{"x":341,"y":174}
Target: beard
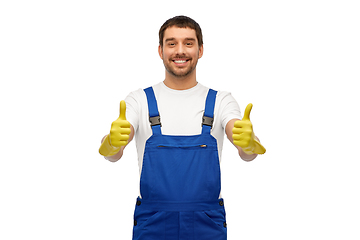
{"x":180,"y":72}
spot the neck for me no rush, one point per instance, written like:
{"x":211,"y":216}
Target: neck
{"x":180,"y":83}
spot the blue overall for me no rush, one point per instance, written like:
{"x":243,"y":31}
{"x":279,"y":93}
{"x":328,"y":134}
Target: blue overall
{"x":180,"y":183}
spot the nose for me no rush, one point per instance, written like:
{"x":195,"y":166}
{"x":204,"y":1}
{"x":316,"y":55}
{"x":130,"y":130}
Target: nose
{"x":180,"y":49}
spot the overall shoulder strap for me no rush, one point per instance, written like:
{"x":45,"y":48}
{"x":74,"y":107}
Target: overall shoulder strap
{"x":208,"y":118}
{"x":154,"y":116}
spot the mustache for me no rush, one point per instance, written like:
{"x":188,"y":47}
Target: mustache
{"x":178,"y":56}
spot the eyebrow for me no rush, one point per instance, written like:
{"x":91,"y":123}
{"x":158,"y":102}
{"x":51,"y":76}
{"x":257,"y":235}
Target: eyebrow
{"x":172,"y":39}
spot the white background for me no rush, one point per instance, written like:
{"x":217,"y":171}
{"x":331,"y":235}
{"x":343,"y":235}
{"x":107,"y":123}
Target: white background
{"x":65,"y":66}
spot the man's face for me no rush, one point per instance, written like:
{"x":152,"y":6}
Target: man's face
{"x":180,"y":51}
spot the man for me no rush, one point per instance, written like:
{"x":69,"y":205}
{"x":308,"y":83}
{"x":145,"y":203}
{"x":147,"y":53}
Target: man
{"x":179,"y":128}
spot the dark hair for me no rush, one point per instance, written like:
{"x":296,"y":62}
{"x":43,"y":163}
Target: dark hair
{"x":181,"y":22}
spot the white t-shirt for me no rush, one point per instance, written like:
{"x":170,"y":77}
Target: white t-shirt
{"x":181,"y":113}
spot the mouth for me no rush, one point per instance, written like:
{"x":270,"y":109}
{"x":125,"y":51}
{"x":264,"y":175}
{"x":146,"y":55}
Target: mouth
{"x":181,"y":61}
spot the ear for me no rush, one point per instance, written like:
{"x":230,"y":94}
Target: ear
{"x":201,"y":51}
{"x":160,"y":52}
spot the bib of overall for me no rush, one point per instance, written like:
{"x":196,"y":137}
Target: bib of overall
{"x":180,"y":183}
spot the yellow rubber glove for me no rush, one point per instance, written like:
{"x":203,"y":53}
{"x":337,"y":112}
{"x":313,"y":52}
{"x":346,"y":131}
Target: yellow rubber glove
{"x":243,"y":134}
{"x":119,"y":134}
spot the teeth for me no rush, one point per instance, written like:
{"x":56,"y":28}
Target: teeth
{"x":180,"y":61}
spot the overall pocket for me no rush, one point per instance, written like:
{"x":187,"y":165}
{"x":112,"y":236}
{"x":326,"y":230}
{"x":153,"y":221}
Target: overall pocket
{"x":148,"y":224}
{"x":181,"y":173}
{"x":210,"y":224}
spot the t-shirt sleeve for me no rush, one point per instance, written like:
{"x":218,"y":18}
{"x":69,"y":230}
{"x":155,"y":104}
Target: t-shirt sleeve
{"x":229,"y":108}
{"x":133,"y":109}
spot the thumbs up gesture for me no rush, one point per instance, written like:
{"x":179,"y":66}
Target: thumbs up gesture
{"x":243,"y":134}
{"x":120,"y":128}
{"x":119,"y":134}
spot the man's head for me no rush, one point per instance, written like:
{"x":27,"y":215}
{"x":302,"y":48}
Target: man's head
{"x":180,"y":46}
{"x":181,"y":22}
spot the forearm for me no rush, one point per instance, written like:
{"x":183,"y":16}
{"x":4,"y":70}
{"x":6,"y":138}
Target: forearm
{"x":115,"y":157}
{"x":229,"y":133}
{"x":119,"y":154}
{"x":244,"y":156}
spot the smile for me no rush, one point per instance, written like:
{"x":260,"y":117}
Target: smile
{"x":180,"y":61}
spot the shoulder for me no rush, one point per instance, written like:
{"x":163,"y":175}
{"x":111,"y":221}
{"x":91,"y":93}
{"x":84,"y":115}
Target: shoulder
{"x":226,"y":107}
{"x":135,"y":101}
{"x":136,"y":94}
{"x":138,"y":99}
{"x":139,"y":95}
{"x":224,"y":97}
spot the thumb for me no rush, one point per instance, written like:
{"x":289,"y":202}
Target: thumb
{"x":247,"y":112}
{"x":122,"y":115}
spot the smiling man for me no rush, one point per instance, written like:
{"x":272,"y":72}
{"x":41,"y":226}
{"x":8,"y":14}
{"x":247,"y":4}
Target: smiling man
{"x":179,"y":127}
{"x":180,"y":51}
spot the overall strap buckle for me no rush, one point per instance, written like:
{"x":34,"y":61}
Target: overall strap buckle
{"x":154,"y":121}
{"x":208,"y":117}
{"x":154,"y":116}
{"x":208,"y":121}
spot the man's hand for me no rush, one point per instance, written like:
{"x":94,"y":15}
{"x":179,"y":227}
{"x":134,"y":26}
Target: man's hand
{"x":120,"y":128}
{"x":119,"y":134}
{"x":243,"y":134}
